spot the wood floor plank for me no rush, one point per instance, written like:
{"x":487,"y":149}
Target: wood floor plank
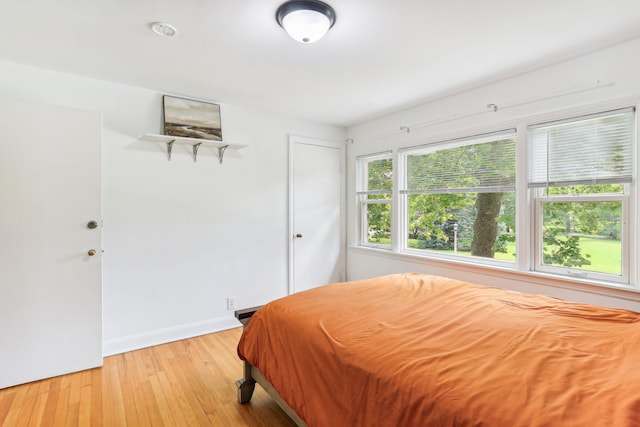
{"x":114,"y":398}
{"x":167,"y":414}
{"x":145,"y":396}
{"x":84,"y":411}
{"x":38,"y":409}
{"x":182,"y":414}
{"x":6,"y":400}
{"x":183,"y":383}
{"x":132,"y":412}
{"x":17,"y":408}
{"x":62,"y":405}
{"x":188,"y":393}
{"x":74,"y":388}
{"x":73,"y":415}
{"x":97,"y":419}
{"x":137,"y":381}
{"x":49,"y":411}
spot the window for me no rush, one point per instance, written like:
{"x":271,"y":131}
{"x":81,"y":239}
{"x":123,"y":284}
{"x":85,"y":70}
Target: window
{"x":375,"y":184}
{"x":580,"y":173}
{"x":458,"y":197}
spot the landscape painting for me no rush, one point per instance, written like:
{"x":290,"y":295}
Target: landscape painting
{"x":191,"y":119}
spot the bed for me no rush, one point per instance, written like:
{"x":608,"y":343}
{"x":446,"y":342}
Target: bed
{"x":423,"y":350}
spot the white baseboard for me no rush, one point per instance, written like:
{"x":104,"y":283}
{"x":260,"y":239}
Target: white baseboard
{"x":163,"y":336}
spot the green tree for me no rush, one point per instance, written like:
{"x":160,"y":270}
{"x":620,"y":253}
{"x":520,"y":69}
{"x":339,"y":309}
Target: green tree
{"x":566,"y":252}
{"x":559,"y":246}
{"x":601,"y":218}
{"x":380,"y":175}
{"x":428,"y":212}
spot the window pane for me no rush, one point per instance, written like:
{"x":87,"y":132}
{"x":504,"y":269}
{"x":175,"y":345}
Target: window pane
{"x":378,"y":229}
{"x":474,"y":167}
{"x":380,"y":175}
{"x":583,"y":235}
{"x":375,"y":189}
{"x":595,"y":148}
{"x":449,"y":223}
{"x":584,"y":189}
{"x":460,"y":196}
{"x":377,"y":196}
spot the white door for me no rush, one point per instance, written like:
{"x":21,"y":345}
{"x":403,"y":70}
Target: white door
{"x":50,"y":286}
{"x":317,"y":213}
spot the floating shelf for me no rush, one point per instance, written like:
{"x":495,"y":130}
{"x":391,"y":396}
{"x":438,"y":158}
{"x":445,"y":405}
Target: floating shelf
{"x":194,"y":142}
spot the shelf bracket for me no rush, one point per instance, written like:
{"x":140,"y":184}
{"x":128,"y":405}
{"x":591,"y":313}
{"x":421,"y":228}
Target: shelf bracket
{"x":169,"y":148}
{"x":221,"y":151}
{"x":195,"y":151}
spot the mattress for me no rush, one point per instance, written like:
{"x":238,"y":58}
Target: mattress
{"x":422,"y":350}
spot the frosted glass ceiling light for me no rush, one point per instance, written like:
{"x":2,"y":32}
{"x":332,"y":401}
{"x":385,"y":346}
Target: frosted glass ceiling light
{"x":306,"y":20}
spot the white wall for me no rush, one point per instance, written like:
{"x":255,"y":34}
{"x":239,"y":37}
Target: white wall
{"x":178,"y":237}
{"x":604,"y":79}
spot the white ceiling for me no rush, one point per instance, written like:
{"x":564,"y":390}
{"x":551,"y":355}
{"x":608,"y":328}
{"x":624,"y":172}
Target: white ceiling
{"x":381,"y":55}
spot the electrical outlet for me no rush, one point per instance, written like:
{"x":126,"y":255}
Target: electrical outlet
{"x":231,"y":303}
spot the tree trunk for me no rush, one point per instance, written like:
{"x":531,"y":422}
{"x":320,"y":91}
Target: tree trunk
{"x":485,"y":228}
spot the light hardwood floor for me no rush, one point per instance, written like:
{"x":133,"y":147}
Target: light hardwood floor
{"x":184,"y":383}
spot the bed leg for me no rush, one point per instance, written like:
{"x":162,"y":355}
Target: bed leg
{"x":246,"y":385}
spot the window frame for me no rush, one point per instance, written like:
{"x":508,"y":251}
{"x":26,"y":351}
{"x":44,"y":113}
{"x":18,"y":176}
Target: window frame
{"x":538,"y":197}
{"x":539,"y":200}
{"x":362,"y":168}
{"x":404,"y":192}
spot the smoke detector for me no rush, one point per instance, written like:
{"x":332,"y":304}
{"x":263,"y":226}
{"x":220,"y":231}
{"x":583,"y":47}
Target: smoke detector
{"x":164,"y":29}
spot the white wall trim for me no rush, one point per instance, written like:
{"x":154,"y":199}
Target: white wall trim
{"x":165,"y":335}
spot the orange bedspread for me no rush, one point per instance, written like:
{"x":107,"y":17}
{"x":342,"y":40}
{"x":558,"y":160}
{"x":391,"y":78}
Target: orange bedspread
{"x":420,"y":350}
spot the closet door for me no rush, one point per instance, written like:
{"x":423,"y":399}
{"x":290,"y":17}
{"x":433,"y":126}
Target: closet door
{"x":50,"y":241}
{"x":317,"y":227}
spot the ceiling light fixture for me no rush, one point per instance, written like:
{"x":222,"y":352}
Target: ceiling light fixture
{"x":164,"y":29}
{"x":306,"y":21}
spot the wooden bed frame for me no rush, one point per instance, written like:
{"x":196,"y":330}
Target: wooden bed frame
{"x":252,"y":375}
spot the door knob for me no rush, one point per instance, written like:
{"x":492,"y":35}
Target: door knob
{"x":91,"y":252}
{"x":298,"y":236}
{"x":92,"y":224}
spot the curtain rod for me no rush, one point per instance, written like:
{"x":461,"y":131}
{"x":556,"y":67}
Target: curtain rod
{"x":493,"y":108}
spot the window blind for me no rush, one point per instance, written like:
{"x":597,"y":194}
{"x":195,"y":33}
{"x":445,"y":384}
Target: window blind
{"x":588,"y":150}
{"x":480,"y":164}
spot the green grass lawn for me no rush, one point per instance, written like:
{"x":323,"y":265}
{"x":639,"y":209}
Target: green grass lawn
{"x":605,"y":254}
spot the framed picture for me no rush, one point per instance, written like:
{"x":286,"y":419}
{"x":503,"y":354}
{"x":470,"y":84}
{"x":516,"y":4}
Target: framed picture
{"x":191,"y":119}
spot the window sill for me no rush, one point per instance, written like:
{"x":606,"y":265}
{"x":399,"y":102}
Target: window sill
{"x":503,"y":271}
